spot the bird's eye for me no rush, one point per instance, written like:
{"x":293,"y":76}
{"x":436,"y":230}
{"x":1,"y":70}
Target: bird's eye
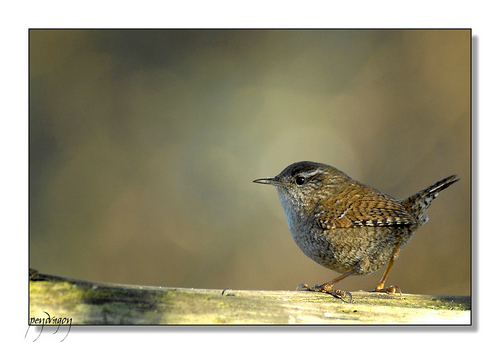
{"x":300,"y":180}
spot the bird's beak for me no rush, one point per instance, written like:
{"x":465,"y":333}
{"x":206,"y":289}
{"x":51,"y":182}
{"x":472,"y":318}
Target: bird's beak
{"x":272,"y":181}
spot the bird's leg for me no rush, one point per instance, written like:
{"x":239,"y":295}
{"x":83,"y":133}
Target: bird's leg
{"x":328,"y":286}
{"x":392,"y":288}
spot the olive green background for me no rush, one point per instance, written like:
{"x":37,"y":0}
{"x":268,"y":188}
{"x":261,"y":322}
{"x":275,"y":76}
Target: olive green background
{"x":144,"y":145}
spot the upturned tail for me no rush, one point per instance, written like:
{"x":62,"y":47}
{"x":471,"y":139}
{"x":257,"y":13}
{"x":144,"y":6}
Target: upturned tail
{"x":418,"y":203}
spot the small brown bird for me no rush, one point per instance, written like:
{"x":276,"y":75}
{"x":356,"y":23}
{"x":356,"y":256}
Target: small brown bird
{"x":347,"y":226}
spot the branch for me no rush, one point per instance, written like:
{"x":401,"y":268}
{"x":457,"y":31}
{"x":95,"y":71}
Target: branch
{"x":95,"y":303}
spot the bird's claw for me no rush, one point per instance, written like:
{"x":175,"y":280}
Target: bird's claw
{"x":327,"y":289}
{"x":389,"y":290}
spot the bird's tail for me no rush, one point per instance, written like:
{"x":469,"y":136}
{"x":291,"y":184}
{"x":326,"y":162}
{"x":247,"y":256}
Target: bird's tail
{"x":418,"y":203}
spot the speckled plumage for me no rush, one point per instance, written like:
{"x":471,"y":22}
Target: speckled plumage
{"x":344,"y":225}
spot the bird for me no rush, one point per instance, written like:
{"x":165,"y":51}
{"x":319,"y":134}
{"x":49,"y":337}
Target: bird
{"x":347,"y":226}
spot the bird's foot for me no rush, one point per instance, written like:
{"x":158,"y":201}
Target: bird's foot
{"x":327,"y":288}
{"x":389,"y":290}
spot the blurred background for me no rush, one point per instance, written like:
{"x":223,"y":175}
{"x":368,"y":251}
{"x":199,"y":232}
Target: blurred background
{"x":144,"y":145}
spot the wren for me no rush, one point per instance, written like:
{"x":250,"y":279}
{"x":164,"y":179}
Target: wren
{"x":345,"y":225}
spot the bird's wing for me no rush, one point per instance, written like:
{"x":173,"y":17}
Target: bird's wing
{"x":376,"y":210}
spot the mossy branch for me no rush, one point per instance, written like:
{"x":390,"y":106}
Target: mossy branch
{"x":94,"y":303}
